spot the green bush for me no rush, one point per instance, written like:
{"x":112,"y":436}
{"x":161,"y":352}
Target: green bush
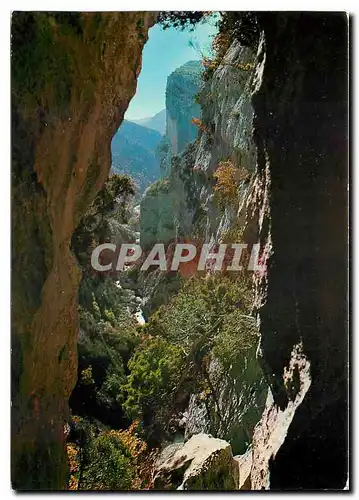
{"x":155,"y":371}
{"x":108,"y":464}
{"x":101,"y":459}
{"x":209,"y":317}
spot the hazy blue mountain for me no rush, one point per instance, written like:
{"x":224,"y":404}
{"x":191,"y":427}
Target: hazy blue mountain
{"x":156,"y":122}
{"x":133,"y":153}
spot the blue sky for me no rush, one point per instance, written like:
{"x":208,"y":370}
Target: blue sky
{"x":165,"y":51}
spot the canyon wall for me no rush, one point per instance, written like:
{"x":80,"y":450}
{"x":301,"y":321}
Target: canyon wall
{"x":73,"y":75}
{"x":182,"y":86}
{"x":164,"y":199}
{"x":278,"y":109}
{"x":182,"y":107}
{"x":184,"y":207}
{"x":300,"y":205}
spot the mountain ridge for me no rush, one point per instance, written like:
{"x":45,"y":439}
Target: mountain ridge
{"x":156,"y":122}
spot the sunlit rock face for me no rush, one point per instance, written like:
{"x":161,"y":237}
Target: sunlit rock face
{"x":285,"y":122}
{"x":182,"y":86}
{"x":166,"y":197}
{"x":182,"y":108}
{"x":202,"y":463}
{"x":183,"y":207}
{"x":73,"y":76}
{"x":186,"y":198}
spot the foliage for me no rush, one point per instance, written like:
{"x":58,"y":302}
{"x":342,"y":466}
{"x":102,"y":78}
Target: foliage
{"x":227,"y":349}
{"x":154,"y":376}
{"x":160,"y":186}
{"x":200,"y":307}
{"x":103,"y":350}
{"x":234,"y":234}
{"x":226,"y":185}
{"x":74,"y":466}
{"x":109,"y":464}
{"x":200,"y":124}
{"x":241,"y":26}
{"x":181,"y":19}
{"x":107,"y":330}
{"x":86,"y":376}
{"x":227,"y":178}
{"x":100,"y":461}
{"x":179,"y":342}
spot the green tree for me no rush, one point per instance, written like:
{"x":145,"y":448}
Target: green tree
{"x":208,"y":318}
{"x":155,"y":371}
{"x":108,"y":464}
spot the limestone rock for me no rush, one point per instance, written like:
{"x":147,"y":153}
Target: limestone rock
{"x":182,"y":86}
{"x":202,"y":463}
{"x":73,"y":75}
{"x":298,"y":210}
{"x":244,"y":463}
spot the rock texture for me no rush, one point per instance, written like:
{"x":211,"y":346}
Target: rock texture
{"x":203,"y":463}
{"x":183,"y":208}
{"x":182,"y":86}
{"x":73,"y":76}
{"x":182,"y":107}
{"x":285,"y":120}
{"x":299,"y":203}
{"x":227,"y":114}
{"x":240,"y":399}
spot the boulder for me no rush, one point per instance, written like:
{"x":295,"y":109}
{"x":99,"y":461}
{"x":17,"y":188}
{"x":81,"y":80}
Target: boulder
{"x":244,"y":463}
{"x":202,"y":463}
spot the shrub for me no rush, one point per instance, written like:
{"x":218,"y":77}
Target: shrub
{"x":109,"y":465}
{"x":103,"y":352}
{"x":200,"y":124}
{"x":106,"y":459}
{"x":227,"y":177}
{"x":239,"y":334}
{"x":226,"y":185}
{"x":155,"y":370}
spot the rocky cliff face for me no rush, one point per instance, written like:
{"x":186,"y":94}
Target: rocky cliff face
{"x":227,"y":115}
{"x":299,"y":203}
{"x":73,"y":76}
{"x":184,"y":207}
{"x":182,"y":86}
{"x":279,"y":111}
{"x":181,"y":108}
{"x":166,"y":198}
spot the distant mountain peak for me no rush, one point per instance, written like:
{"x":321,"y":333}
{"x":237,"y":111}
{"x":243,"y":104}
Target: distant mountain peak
{"x":156,"y":122}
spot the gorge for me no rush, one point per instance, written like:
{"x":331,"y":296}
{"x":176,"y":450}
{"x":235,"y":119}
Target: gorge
{"x":264,"y":160}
